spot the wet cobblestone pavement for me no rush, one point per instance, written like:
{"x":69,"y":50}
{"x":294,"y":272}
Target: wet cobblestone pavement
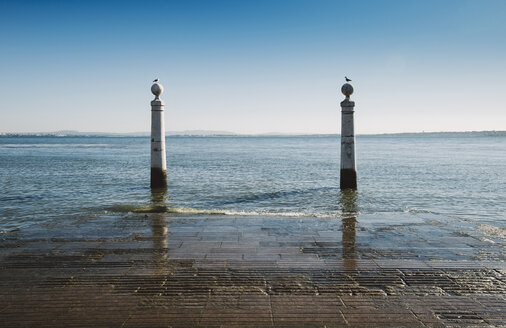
{"x":162,"y":270}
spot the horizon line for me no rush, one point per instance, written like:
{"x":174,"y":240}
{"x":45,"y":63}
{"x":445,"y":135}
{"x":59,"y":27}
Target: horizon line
{"x":230,"y":133}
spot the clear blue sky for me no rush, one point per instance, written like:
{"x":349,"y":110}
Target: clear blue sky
{"x":253,"y":66}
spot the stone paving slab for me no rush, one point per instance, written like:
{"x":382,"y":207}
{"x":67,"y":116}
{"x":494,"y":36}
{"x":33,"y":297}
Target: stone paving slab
{"x":161,"y":270}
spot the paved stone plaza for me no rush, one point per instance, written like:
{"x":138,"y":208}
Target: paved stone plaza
{"x":163,"y":270}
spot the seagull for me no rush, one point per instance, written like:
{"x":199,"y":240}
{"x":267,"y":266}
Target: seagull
{"x":347,"y":79}
{"x":156,"y":80}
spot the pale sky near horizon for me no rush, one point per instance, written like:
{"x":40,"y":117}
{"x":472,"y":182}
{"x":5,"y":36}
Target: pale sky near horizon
{"x":253,"y":66}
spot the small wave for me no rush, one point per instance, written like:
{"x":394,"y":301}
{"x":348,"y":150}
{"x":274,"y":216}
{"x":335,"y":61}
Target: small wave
{"x":413,"y":210}
{"x":492,"y":231}
{"x":486,"y":229}
{"x":252,"y":198}
{"x":197,"y":211}
{"x":20,"y":198}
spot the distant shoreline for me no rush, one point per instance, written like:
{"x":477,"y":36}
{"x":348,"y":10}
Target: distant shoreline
{"x":200,"y":133}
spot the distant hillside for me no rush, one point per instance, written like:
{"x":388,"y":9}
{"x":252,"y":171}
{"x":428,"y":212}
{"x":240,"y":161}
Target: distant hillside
{"x":200,"y":133}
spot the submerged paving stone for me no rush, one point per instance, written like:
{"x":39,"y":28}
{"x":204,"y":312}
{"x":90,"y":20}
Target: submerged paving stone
{"x":225,"y":271}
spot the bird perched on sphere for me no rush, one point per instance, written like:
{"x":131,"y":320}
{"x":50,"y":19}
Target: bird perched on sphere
{"x":155,"y":80}
{"x":347,"y":79}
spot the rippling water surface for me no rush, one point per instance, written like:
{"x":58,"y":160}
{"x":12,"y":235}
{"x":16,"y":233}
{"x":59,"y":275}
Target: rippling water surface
{"x":48,"y":178}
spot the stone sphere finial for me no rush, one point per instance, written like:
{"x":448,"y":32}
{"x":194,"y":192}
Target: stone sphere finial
{"x":157,"y":89}
{"x":347,"y":90}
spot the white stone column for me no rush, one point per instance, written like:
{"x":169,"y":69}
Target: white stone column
{"x":158,"y":159}
{"x":348,"y":165}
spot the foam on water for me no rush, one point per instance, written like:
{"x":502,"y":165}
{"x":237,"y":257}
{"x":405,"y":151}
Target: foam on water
{"x":198,"y":211}
{"x":492,"y":231}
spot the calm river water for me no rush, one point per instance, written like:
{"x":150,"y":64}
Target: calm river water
{"x":53,"y":178}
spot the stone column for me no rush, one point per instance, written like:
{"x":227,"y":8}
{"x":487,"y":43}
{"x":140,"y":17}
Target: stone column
{"x":348,"y":164}
{"x":158,"y":160}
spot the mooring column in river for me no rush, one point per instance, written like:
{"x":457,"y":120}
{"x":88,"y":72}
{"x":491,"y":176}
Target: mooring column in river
{"x":158,"y":161}
{"x":348,"y":164}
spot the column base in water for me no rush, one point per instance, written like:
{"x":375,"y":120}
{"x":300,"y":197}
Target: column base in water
{"x":348,"y":179}
{"x":158,"y":178}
